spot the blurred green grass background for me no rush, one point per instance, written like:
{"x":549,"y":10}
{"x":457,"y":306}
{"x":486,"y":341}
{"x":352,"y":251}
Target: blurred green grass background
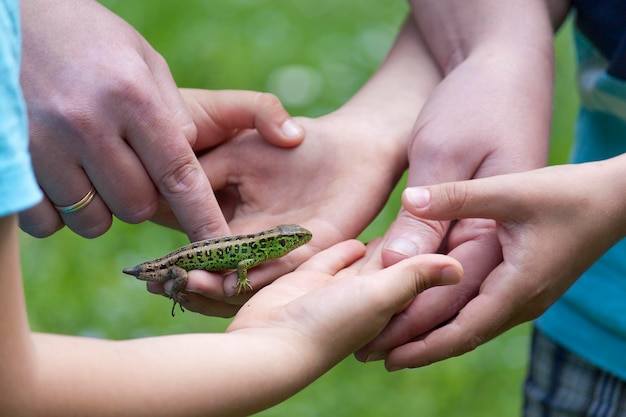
{"x":314,"y":55}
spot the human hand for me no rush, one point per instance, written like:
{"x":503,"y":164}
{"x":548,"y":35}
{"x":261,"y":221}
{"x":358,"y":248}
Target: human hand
{"x":105,"y":111}
{"x":482,"y":120}
{"x":313,"y":309}
{"x":334,"y":184}
{"x":259,"y":186}
{"x":552,"y":223}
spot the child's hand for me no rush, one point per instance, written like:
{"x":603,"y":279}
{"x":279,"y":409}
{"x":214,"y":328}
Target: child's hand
{"x":552,"y":223}
{"x":330,"y":306}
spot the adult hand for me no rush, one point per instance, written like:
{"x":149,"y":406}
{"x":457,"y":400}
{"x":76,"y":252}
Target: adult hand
{"x":104,"y":110}
{"x":553,"y":223}
{"x":259,"y":186}
{"x":482,"y":120}
{"x":334,"y":184}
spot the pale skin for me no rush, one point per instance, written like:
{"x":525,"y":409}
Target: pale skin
{"x":357,"y":151}
{"x":553,"y":223}
{"x":408,"y":342}
{"x":280,"y":341}
{"x":481,"y":120}
{"x":491,"y":123}
{"x":114,"y":118}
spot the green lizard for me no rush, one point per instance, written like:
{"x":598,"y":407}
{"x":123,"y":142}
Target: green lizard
{"x":232,"y":252}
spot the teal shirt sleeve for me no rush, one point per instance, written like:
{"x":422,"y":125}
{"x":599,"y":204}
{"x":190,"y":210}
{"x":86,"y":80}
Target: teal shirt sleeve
{"x":18,"y":187}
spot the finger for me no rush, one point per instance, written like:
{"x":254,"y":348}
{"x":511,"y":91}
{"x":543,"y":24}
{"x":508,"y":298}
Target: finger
{"x":218,"y":114}
{"x":332,"y":260}
{"x":119,"y":175}
{"x":412,"y":276}
{"x":173,"y":167}
{"x":208,"y":307}
{"x":67,"y":187}
{"x":480,"y":198}
{"x":480,"y":321}
{"x":410,"y":235}
{"x":429,"y":164}
{"x":479,"y":253}
{"x":41,"y":220}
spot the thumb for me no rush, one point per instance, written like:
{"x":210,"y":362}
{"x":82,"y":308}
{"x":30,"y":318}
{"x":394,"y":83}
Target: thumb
{"x":411,"y":276}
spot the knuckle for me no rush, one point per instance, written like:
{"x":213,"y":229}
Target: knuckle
{"x":127,"y":88}
{"x":455,"y":195}
{"x":468,"y":343}
{"x":181,"y":177}
{"x":268,"y":101}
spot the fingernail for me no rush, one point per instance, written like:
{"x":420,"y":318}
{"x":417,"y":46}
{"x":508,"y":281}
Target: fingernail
{"x":403,"y":246}
{"x":450,"y":275}
{"x":291,"y":129}
{"x":417,"y":197}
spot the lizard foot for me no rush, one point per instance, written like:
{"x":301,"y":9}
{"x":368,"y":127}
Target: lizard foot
{"x":242,"y":285}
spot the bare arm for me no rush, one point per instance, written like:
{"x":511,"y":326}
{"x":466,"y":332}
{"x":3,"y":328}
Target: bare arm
{"x":285,"y":337}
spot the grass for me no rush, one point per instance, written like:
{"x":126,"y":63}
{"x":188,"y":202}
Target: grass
{"x":314,"y":55}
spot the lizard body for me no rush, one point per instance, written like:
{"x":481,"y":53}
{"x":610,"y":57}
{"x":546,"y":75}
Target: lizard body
{"x":240,"y":252}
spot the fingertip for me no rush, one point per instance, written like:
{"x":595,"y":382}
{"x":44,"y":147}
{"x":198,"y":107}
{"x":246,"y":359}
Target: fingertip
{"x":440,"y":270}
{"x":292,"y":131}
{"x":452,"y":273}
{"x":416,"y":198}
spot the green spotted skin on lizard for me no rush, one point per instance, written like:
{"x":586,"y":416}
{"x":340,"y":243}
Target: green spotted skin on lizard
{"x":240,"y":252}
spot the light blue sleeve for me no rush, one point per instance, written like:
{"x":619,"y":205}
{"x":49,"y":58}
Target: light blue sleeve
{"x":18,"y":187}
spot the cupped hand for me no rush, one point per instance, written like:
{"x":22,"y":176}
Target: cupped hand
{"x":552,"y":224}
{"x":332,"y":306}
{"x":104,"y":111}
{"x":334,"y":184}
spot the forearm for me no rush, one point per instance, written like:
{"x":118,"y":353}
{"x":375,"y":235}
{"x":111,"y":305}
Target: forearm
{"x":16,"y":350}
{"x":184,"y":375}
{"x":456,"y":30}
{"x":498,"y":61}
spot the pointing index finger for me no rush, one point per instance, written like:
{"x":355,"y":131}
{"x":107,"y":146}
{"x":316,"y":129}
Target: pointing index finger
{"x":169,"y":160}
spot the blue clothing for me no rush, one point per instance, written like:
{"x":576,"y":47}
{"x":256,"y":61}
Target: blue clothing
{"x":590,"y":318}
{"x":603,"y":22}
{"x":18,"y":188}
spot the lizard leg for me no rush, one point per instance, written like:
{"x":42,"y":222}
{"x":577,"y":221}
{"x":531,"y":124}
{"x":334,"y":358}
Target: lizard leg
{"x":179,"y":276}
{"x":242,"y":275}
